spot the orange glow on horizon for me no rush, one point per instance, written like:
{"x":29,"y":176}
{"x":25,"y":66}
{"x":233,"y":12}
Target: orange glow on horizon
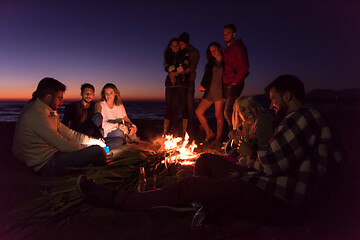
{"x":21,"y":90}
{"x":24,"y":95}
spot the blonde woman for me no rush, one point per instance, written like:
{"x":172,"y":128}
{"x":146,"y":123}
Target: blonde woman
{"x":252,"y":125}
{"x":112,"y":117}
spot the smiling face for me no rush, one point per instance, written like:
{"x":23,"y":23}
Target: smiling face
{"x":174,"y":46}
{"x":248,"y":111}
{"x":109,"y":95}
{"x":277,"y":103}
{"x":182,"y":45}
{"x":87,"y":95}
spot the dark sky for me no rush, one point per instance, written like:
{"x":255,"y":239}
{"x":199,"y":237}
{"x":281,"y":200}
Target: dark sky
{"x":121,"y":42}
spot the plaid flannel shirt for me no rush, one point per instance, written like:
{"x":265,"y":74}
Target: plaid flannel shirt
{"x":294,"y":165}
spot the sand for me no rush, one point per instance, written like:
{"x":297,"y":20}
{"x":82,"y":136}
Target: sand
{"x":338,"y":221}
{"x":19,"y":184}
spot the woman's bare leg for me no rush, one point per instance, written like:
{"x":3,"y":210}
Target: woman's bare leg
{"x":200,"y":110}
{"x":219,"y":114}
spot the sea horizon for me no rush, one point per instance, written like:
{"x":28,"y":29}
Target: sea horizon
{"x":155,"y":109}
{"x":135,"y":109}
{"x":152,"y":110}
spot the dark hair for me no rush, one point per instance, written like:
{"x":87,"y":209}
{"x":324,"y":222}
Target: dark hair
{"x":231,"y":26}
{"x":184,"y":37}
{"x":288,"y":83}
{"x":168,"y":52}
{"x":117,"y":99}
{"x":209,"y":56}
{"x":48,"y":86}
{"x":87,"y":85}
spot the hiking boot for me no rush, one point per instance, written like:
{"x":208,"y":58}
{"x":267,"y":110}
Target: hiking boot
{"x":94,"y":193}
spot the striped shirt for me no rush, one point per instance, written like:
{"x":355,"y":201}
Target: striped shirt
{"x":294,"y":165}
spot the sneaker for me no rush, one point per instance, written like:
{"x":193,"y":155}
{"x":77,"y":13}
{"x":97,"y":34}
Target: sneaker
{"x":94,"y":193}
{"x":199,"y":217}
{"x":205,"y":216}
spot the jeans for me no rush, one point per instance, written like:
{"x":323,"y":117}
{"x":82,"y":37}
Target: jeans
{"x":61,"y":161}
{"x":231,"y":93}
{"x":89,"y":128}
{"x":212,"y":187}
{"x":175,"y":96}
{"x":115,"y":138}
{"x":97,"y":119}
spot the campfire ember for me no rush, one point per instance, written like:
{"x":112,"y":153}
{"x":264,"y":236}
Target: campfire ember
{"x":180,"y":152}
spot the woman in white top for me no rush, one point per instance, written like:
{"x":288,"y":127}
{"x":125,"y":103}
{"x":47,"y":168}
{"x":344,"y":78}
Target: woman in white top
{"x":115,"y":123}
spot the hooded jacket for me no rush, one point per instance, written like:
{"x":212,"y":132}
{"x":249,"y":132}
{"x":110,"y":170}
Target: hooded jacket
{"x":236,"y":63}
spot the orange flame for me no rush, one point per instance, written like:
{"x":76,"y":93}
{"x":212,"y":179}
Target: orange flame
{"x":180,"y":153}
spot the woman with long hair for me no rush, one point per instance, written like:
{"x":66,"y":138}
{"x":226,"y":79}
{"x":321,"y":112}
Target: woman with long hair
{"x":115,"y":123}
{"x":212,"y":86}
{"x":175,"y":62}
{"x":252,"y":125}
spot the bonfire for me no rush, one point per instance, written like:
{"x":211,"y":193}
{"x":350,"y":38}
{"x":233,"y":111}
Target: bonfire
{"x":179,"y":151}
{"x":136,"y":167}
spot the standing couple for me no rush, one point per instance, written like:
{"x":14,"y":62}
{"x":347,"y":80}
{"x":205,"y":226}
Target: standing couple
{"x":180,"y":60}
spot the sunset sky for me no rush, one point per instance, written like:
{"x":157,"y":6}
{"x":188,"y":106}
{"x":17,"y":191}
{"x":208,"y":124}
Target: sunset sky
{"x":123,"y":42}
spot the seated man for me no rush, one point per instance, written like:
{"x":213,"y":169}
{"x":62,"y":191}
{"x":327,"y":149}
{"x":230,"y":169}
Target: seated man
{"x":44,"y":143}
{"x":78,"y":115}
{"x":292,"y":170}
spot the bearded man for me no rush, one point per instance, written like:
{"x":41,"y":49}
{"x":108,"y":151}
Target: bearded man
{"x":294,"y":170}
{"x":46,"y":145}
{"x":236,"y":69}
{"x":78,"y":115}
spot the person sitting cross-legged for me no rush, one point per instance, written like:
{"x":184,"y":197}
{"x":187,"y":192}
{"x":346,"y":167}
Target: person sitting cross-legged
{"x":111,"y":117}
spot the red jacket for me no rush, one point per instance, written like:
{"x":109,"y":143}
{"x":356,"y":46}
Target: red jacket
{"x":236,"y":63}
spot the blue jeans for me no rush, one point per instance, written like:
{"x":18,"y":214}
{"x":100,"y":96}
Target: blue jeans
{"x":115,"y":138}
{"x":210,"y":186}
{"x":61,"y":161}
{"x":231,"y":93}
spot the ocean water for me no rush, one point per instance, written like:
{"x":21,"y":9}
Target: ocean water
{"x":154,"y":110}
{"x":144,"y":110}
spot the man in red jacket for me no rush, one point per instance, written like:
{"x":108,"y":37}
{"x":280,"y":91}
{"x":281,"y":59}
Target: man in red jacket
{"x":236,"y":66}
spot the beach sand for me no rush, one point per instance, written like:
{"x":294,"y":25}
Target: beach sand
{"x":339,"y":220}
{"x":19,"y":184}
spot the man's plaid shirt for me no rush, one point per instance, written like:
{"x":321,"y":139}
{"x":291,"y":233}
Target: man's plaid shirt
{"x":294,"y":165}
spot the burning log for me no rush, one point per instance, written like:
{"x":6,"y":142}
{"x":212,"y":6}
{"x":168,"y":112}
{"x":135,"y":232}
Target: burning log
{"x":178,"y":152}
